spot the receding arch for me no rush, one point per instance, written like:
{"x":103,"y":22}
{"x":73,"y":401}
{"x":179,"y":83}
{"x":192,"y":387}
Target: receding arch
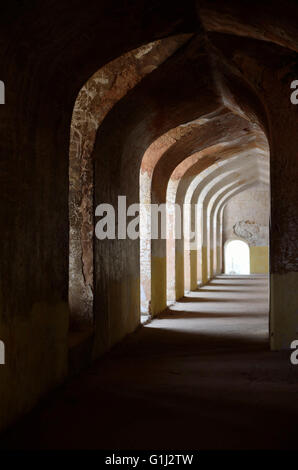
{"x":201,"y":192}
{"x":95,"y":100}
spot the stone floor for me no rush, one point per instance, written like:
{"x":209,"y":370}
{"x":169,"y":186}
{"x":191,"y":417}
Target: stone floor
{"x":201,"y":376}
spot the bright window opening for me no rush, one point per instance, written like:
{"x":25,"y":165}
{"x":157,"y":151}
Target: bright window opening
{"x":237,"y":257}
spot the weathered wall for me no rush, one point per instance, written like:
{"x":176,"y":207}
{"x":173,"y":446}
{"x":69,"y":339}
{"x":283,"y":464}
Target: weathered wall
{"x":47,"y":53}
{"x":246,"y":217}
{"x":259,"y":259}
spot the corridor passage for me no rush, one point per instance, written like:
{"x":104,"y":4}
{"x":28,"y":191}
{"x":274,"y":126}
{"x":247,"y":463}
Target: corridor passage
{"x":201,"y":376}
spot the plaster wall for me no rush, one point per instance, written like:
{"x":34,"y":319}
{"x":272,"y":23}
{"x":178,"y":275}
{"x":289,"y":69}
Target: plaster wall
{"x":48,"y":52}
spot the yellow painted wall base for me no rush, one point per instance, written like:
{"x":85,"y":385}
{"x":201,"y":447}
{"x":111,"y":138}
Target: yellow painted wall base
{"x":123,"y":316}
{"x":283,"y":310}
{"x":179,"y":268}
{"x":204,"y":265}
{"x":158,"y":284}
{"x":193,"y":270}
{"x":259,"y":259}
{"x":211,"y":273}
{"x":36,"y":356}
{"x":218,"y":258}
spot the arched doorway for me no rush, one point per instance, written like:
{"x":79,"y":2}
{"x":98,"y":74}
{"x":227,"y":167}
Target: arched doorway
{"x":237,"y":257}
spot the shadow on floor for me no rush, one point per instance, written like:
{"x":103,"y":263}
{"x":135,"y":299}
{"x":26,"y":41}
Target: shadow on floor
{"x":188,"y":380}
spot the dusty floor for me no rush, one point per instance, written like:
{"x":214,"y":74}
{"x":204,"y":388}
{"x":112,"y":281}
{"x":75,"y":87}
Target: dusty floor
{"x":199,"y":377}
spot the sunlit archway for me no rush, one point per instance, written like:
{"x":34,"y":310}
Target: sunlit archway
{"x":237,"y":257}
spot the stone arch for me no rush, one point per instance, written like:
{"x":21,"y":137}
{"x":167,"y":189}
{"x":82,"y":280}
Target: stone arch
{"x":94,"y":101}
{"x":253,"y":141}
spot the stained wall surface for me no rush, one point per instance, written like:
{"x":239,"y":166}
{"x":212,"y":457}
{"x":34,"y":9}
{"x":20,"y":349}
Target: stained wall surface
{"x":48,"y":52}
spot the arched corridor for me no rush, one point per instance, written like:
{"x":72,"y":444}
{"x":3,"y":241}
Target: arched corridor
{"x":142,"y":141}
